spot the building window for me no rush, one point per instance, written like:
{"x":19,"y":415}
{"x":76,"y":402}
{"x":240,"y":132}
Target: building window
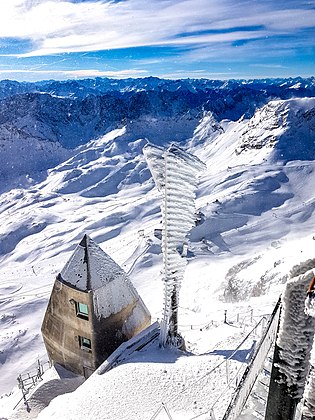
{"x":82,"y":310}
{"x":85,"y":343}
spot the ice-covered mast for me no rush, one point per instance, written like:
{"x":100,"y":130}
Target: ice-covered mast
{"x":308,"y":410}
{"x":292,"y":349}
{"x":175,"y":174}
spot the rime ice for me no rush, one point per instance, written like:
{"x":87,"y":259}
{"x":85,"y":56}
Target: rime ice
{"x":175,"y":173}
{"x":296,"y":333}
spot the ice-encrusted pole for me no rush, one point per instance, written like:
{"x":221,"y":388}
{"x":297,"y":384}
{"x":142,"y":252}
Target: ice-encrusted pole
{"x":308,"y":410}
{"x":292,"y":351}
{"x":175,"y":173}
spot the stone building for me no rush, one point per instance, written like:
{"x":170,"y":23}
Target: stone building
{"x":93,"y":308}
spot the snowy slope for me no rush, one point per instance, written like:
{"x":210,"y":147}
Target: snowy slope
{"x":258,"y":216}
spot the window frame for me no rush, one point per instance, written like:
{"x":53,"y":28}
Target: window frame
{"x":85,"y":343}
{"x":81,"y":314}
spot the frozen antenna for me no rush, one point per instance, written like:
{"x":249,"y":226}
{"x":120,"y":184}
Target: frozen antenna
{"x":175,"y":174}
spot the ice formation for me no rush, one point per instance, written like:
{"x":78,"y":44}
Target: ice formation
{"x":296,"y":334}
{"x":310,"y":306}
{"x":309,"y":393}
{"x":175,"y":174}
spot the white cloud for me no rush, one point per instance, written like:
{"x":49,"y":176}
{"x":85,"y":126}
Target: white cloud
{"x":199,"y":74}
{"x":69,"y":74}
{"x":248,"y":51}
{"x":57,"y":26}
{"x":269,"y":66}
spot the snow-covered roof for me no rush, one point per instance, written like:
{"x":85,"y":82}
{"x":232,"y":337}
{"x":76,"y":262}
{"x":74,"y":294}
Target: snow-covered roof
{"x":89,"y":267}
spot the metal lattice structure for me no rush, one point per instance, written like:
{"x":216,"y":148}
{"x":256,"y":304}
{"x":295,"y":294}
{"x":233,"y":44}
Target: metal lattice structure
{"x":175,"y":173}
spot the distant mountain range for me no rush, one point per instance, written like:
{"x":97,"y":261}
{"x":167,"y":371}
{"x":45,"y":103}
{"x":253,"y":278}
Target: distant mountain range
{"x":44,"y":120}
{"x":286,"y":88}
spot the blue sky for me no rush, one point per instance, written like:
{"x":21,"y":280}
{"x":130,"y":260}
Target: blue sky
{"x":217,"y":39}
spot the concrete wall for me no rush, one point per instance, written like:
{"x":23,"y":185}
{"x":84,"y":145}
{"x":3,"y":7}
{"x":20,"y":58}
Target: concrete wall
{"x":108,"y":332}
{"x":61,"y":329}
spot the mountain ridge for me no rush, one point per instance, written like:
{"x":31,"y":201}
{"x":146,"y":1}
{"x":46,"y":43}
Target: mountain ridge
{"x":83,"y":87}
{"x":156,"y":109}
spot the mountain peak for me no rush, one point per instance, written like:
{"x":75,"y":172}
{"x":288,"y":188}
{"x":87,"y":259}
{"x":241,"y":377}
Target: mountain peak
{"x":286,"y":127}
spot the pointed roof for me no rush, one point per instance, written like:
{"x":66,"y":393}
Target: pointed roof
{"x":89,"y":267}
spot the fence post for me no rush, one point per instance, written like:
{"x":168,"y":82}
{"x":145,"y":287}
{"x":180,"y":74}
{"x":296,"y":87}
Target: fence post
{"x":167,"y":411}
{"x":225,"y":316}
{"x":237,"y":379}
{"x":39,"y":369}
{"x":212,"y":416}
{"x":263,"y":324}
{"x":227,"y":371}
{"x":19,"y":379}
{"x":24,"y":392}
{"x":255,"y":332}
{"x":157,"y":412}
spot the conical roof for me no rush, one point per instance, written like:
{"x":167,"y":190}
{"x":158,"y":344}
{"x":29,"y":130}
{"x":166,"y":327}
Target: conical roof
{"x":89,"y":267}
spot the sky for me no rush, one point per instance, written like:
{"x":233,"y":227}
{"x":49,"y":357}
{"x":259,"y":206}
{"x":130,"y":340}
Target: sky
{"x":216,"y":39}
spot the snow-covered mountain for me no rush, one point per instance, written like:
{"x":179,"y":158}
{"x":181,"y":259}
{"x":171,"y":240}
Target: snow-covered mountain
{"x":288,"y":125}
{"x":256,"y":202}
{"x":98,"y":86}
{"x":72,"y":113}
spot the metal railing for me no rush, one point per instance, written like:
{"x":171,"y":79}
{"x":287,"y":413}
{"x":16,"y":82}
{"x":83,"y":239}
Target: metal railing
{"x":30,"y":378}
{"x":231,"y":379}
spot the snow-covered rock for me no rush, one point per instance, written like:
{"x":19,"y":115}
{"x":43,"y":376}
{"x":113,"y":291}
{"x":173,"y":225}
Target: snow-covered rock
{"x":285,"y":127}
